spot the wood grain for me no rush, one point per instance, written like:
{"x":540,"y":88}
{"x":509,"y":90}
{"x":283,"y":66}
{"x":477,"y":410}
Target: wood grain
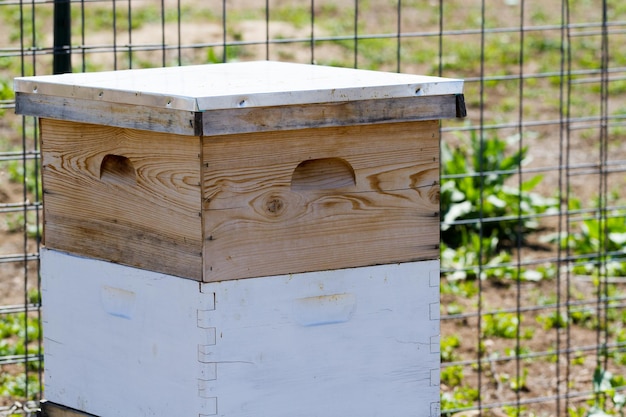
{"x":348,"y":113}
{"x":242,"y":120}
{"x":151,"y":220}
{"x":269,"y":203}
{"x":257,"y":224}
{"x":157,"y":119}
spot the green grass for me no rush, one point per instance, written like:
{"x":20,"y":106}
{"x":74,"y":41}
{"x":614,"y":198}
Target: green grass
{"x":21,"y":386}
{"x":449,"y":346}
{"x":14,"y":223}
{"x":459,"y":287}
{"x":601,"y":238}
{"x":504,"y":325}
{"x":458,"y":397}
{"x":101,"y":18}
{"x":14,"y":330}
{"x":452,"y":376}
{"x":299,"y":16}
{"x":17,"y":22}
{"x":6,"y":94}
{"x":24,"y":172}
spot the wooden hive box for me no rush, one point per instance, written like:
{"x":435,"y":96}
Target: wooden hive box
{"x":241,"y":170}
{"x":305,"y":201}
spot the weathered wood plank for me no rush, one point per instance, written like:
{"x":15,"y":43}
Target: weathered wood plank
{"x":157,"y":119}
{"x":263,"y":119}
{"x":256,"y":223}
{"x":149,"y":220}
{"x":241,"y":120}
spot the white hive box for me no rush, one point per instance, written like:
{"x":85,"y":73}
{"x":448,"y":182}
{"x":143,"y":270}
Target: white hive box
{"x":121,"y":341}
{"x":305,"y":201}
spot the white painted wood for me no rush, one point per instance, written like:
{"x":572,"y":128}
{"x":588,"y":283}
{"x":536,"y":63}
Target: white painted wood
{"x":236,"y":85}
{"x":120,"y":341}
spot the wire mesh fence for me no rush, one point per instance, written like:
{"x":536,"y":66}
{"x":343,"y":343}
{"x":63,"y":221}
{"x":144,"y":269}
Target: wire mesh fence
{"x":533,"y":214}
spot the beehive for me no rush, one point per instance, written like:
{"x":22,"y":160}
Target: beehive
{"x":241,"y":170}
{"x":305,"y":201}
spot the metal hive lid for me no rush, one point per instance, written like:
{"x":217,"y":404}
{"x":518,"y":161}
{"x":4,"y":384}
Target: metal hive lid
{"x":236,"y":85}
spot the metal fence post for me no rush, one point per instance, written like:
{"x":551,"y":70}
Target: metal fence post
{"x":62,"y":61}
